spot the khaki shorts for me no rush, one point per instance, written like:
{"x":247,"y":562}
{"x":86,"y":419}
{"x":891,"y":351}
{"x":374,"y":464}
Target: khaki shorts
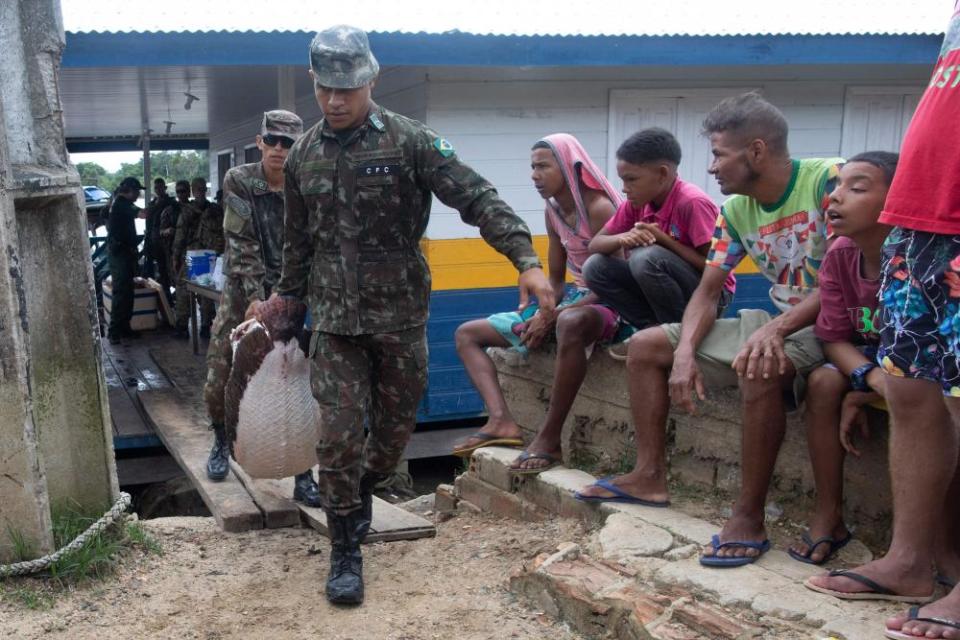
{"x":718,"y":350}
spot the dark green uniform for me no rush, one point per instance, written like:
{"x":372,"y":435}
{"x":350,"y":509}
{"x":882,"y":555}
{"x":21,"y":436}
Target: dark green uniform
{"x":253,"y":230}
{"x":122,"y":253}
{"x":357,"y":205}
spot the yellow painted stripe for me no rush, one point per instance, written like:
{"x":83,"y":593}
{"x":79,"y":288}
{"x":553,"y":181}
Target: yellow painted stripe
{"x":470,"y":263}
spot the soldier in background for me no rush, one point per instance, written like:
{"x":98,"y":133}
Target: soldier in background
{"x":358,"y":195}
{"x":253,"y":229}
{"x":155,"y":265}
{"x":168,"y":230}
{"x":122,"y":253}
{"x":200,"y":226}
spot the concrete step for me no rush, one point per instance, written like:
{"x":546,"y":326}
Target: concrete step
{"x":650,"y":553}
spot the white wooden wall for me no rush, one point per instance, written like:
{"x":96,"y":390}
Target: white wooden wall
{"x":493,"y":123}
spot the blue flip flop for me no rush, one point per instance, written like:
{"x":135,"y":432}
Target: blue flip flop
{"x":733,"y":561}
{"x":835,"y":546}
{"x":619,"y":495}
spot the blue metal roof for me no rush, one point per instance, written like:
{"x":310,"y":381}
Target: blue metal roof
{"x":232,"y":48}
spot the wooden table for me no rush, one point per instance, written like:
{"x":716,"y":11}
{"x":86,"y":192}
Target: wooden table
{"x":196,"y":292}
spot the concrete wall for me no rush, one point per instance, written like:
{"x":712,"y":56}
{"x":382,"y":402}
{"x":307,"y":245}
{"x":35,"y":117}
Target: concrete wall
{"x":55,"y":429}
{"x":703,"y":450}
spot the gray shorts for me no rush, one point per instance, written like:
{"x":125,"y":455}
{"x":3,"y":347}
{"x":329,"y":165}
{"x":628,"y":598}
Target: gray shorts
{"x":716,"y":353}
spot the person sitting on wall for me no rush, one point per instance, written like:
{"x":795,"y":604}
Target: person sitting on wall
{"x":837,"y":391}
{"x":579,"y":201}
{"x":664,"y":228}
{"x":777,"y":218}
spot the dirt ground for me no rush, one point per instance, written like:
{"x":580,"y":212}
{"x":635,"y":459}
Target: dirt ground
{"x":209,"y":585}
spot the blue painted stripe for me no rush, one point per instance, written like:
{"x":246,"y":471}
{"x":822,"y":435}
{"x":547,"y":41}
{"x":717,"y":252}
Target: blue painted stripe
{"x":395,"y":49}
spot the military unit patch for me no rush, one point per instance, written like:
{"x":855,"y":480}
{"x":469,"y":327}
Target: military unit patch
{"x":260,"y":185}
{"x":238,"y":205}
{"x":444,"y":147}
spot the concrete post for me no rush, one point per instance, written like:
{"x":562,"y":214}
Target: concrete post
{"x":55,"y":436}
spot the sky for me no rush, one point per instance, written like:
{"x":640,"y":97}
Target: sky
{"x":110,"y":161}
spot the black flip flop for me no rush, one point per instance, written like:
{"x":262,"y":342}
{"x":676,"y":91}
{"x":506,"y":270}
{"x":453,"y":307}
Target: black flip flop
{"x":551,"y":461}
{"x":835,"y":546}
{"x":913,"y":615}
{"x":877,"y":591}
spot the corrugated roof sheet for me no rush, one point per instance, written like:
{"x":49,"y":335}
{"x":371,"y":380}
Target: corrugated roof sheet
{"x":519,"y":17}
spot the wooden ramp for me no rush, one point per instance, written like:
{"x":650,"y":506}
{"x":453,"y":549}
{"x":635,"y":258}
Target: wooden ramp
{"x":241,"y":503}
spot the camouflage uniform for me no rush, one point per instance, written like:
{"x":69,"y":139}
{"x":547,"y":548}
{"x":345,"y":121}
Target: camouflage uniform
{"x":168,"y":221}
{"x":153,"y":243}
{"x":200,"y":226}
{"x":355,"y":213}
{"x":253,"y":229}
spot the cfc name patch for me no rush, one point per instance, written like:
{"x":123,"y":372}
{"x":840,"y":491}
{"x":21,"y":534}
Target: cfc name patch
{"x":372,"y":170}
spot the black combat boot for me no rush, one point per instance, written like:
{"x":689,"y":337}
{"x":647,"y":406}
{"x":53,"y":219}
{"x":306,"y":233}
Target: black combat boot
{"x":368,"y":482}
{"x":218,"y":463}
{"x":305,"y":489}
{"x":345,"y":582}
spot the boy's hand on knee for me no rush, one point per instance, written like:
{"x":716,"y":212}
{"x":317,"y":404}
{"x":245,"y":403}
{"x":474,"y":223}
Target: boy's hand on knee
{"x":536,"y":331}
{"x":853,"y":419}
{"x":685,"y":380}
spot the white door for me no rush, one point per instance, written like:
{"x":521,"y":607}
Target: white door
{"x":679,"y":111}
{"x":875,"y":118}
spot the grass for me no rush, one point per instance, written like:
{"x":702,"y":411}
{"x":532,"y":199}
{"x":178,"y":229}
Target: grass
{"x":95,"y":560}
{"x":138,"y":536}
{"x":23,"y":548}
{"x":33,"y":599}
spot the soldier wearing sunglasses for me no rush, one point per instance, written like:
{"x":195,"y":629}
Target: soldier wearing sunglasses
{"x":253,"y":228}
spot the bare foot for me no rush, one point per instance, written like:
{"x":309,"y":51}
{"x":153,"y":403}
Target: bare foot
{"x":945,"y":610}
{"x":901,"y":579}
{"x":739,"y":528}
{"x":542,"y":454}
{"x":652,"y":489}
{"x":948,"y":567}
{"x":821,"y":527}
{"x":536,"y":460}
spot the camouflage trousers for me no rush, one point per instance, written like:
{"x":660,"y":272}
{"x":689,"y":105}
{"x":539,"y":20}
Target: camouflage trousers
{"x":385,"y":372}
{"x":182,"y":307}
{"x":233,"y":306}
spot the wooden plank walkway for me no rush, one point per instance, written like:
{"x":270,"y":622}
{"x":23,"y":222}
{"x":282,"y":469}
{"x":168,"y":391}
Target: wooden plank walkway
{"x":239,"y":503}
{"x":128,"y":369}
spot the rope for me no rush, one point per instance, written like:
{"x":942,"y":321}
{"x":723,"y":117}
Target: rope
{"x":33,"y":566}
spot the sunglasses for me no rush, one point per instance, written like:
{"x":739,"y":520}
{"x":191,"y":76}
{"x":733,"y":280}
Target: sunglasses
{"x":271,"y":141}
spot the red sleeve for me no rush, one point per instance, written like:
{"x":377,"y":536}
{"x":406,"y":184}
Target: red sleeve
{"x":701,"y":221}
{"x":622,"y":221}
{"x":833,"y":321}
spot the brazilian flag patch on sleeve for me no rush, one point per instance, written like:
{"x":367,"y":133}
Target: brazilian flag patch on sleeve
{"x":444,"y":147}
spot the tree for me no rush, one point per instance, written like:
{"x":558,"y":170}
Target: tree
{"x":91,"y":173}
{"x":169,"y":165}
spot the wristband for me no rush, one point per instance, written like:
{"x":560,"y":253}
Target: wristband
{"x":858,"y":377}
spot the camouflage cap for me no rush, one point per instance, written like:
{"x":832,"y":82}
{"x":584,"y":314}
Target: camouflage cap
{"x":281,"y":123}
{"x":341,"y":58}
